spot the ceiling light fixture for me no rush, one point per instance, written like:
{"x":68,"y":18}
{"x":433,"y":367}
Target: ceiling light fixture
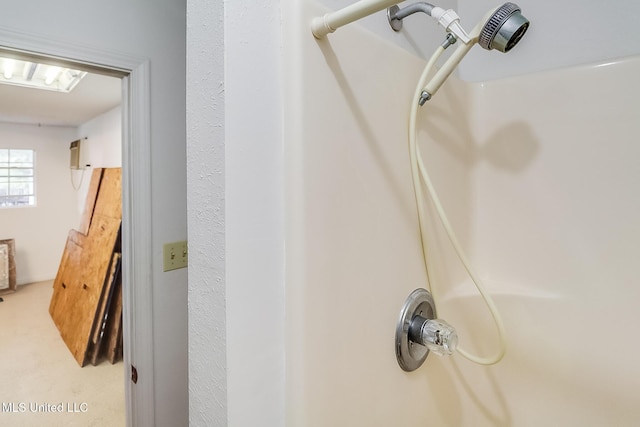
{"x":29,"y":71}
{"x":51,"y":75}
{"x":9,"y":66}
{"x":39,"y":76}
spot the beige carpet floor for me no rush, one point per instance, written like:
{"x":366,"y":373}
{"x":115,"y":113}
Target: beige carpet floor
{"x":39,"y":376}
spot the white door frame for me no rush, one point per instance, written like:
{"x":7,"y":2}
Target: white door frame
{"x":136,"y":203}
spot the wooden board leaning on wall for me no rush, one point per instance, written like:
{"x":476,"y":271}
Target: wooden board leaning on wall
{"x":86,"y":305}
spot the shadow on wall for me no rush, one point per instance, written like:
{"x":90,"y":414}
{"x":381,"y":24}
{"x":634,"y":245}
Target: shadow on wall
{"x":456,"y":383}
{"x":448,"y":122}
{"x":374,"y":142}
{"x":445,"y":378}
{"x":450,"y":134}
{"x":511,"y":148}
{"x":461,"y":141}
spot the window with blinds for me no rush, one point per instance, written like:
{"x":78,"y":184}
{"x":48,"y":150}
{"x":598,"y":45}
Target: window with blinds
{"x":17,"y":178}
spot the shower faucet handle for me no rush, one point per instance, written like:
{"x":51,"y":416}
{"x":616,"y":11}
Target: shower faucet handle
{"x":419,"y":331}
{"x":435,"y":334}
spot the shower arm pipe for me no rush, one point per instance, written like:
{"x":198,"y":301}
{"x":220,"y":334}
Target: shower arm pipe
{"x":414,"y":8}
{"x":323,"y":25}
{"x":329,"y":22}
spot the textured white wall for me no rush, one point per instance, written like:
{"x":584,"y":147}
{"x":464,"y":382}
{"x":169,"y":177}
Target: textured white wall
{"x":235,"y":155}
{"x":157,"y":31}
{"x":206,"y":213}
{"x":41,"y":231}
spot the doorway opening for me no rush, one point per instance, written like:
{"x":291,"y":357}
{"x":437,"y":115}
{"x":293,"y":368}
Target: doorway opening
{"x":136,"y":206}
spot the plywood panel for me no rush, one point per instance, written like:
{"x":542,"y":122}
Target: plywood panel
{"x":95,"y":259}
{"x":109,"y":202}
{"x":113,"y":332}
{"x":106,"y":299}
{"x":90,"y":202}
{"x":81,"y":288}
{"x":101,"y":330}
{"x":66,"y":278}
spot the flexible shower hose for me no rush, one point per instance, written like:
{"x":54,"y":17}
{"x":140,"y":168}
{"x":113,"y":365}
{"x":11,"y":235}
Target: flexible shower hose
{"x":418,"y":170}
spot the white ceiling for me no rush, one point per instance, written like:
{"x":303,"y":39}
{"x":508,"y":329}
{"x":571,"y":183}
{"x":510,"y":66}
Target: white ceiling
{"x":94,"y":95}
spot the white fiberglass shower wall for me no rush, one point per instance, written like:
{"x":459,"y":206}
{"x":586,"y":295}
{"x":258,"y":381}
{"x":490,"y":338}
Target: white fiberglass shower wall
{"x":539,"y":176}
{"x":536,"y":171}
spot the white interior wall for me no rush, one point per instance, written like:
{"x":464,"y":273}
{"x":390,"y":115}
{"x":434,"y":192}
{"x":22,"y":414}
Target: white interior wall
{"x":101,"y":148}
{"x":41,"y":227}
{"x":41,"y":231}
{"x":156,"y":31}
{"x":254,"y":217}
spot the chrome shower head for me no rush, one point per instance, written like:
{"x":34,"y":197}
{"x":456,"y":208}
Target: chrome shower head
{"x":504,"y":28}
{"x":501,"y":29}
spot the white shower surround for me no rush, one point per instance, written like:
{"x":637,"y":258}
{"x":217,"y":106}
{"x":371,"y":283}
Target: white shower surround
{"x":357,"y":381}
{"x":538,"y":174}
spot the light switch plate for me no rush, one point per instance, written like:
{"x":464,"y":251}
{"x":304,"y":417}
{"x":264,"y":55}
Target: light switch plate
{"x":175,"y":255}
